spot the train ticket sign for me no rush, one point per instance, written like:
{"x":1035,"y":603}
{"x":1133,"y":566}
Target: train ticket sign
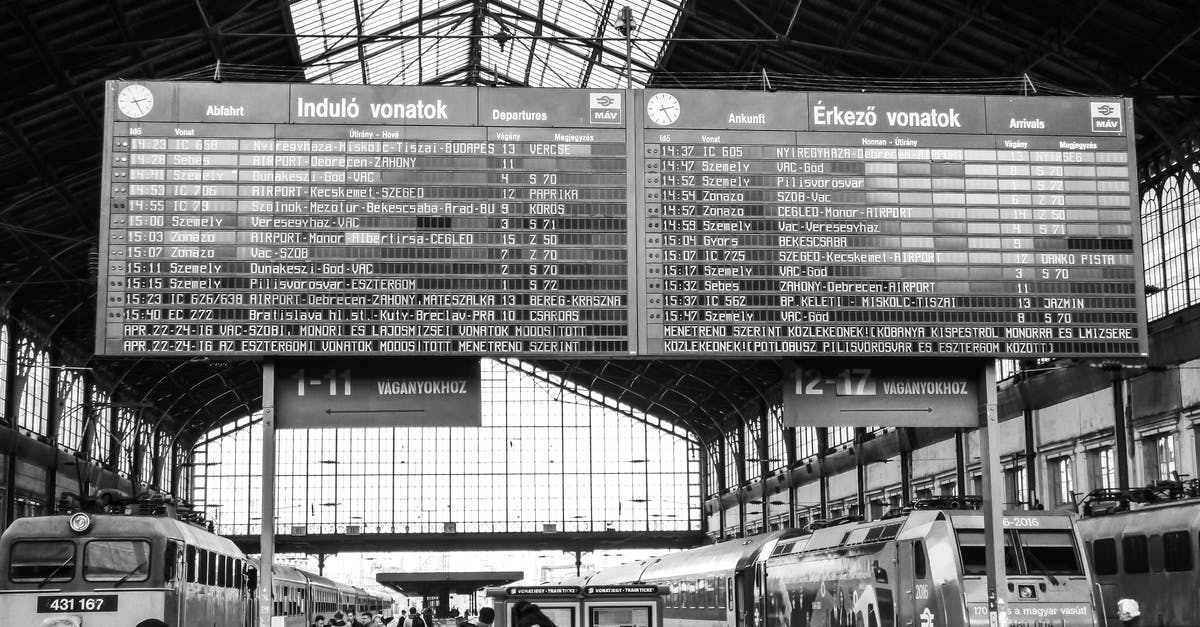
{"x":324,"y":393}
{"x":863,"y":394}
{"x":274,"y":220}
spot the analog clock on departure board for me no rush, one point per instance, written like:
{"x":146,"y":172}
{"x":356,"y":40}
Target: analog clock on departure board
{"x":662,"y":108}
{"x":135,"y":101}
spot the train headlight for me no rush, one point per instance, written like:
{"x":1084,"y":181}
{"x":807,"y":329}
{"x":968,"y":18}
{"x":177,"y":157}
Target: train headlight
{"x":80,"y":522}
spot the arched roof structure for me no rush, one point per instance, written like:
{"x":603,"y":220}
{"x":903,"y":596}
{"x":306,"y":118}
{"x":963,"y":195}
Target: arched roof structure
{"x":58,"y":54}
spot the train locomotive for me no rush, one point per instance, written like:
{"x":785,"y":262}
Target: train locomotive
{"x":148,"y":567}
{"x":1144,"y":545}
{"x":922,"y":567}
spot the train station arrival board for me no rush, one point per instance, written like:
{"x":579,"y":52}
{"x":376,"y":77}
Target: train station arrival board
{"x":268,"y":219}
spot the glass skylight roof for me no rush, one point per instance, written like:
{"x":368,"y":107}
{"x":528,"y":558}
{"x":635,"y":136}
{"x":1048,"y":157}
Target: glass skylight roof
{"x":538,"y":43}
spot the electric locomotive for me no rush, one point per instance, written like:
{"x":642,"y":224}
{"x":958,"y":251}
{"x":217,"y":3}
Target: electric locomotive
{"x":921,"y":567}
{"x":1144,"y":544}
{"x":149,"y":566}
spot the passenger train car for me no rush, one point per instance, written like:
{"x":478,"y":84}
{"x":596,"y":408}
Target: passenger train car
{"x":1144,"y":544}
{"x":116,"y":570}
{"x":923,"y":567}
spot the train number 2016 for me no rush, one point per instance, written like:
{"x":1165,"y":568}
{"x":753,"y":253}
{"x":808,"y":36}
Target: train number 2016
{"x":1020,"y":521}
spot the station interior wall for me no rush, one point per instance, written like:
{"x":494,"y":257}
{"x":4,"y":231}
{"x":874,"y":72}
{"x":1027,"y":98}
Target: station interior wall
{"x":1163,"y":436}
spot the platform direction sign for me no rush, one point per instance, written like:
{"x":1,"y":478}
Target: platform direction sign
{"x":264,"y":220}
{"x":428,"y":392}
{"x":863,"y":394}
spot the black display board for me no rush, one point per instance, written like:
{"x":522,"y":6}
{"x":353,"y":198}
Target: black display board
{"x":269,"y":219}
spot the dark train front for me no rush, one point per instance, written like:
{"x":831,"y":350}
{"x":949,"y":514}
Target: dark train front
{"x":1144,"y":545}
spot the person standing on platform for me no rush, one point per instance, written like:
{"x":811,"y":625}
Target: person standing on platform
{"x":412,"y":619}
{"x":337,"y":620}
{"x":427,"y":614}
{"x":486,"y":617}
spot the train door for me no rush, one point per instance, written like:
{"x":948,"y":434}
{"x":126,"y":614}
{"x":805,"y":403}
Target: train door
{"x":730,"y":602}
{"x":175,"y":577}
{"x":739,"y":599}
{"x":760,"y":594}
{"x":913,"y":606}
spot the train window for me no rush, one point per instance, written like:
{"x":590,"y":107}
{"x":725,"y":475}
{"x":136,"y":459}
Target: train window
{"x":1177,"y":551}
{"x":170,"y":560}
{"x":919,"y":570}
{"x":1136,"y":553}
{"x":201,"y":566}
{"x":42,"y":561}
{"x":210,"y":578}
{"x":1050,"y":553}
{"x":222,"y":580}
{"x":857,"y":536}
{"x":239,"y":570}
{"x":191,"y":564}
{"x":721,"y":592}
{"x":116,"y":560}
{"x":974,"y":552}
{"x":1155,"y":553}
{"x":1104,"y":556}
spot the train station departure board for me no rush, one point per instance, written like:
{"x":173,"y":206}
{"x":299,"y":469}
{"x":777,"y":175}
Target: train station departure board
{"x":275,"y":219}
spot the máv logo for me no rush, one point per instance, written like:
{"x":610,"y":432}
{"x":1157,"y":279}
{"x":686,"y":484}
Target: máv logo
{"x":1106,"y":117}
{"x":605,"y":108}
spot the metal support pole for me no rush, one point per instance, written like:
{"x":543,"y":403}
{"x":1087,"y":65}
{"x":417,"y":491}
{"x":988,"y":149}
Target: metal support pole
{"x":823,"y":479}
{"x":1030,"y":462}
{"x":1119,"y":435}
{"x":993,"y":494}
{"x":789,"y":443}
{"x":627,"y":16}
{"x":722,"y":483}
{"x":764,"y":463}
{"x":860,"y":434}
{"x":267,"y":541}
{"x":906,"y":492}
{"x":578,"y":563}
{"x":960,"y":464}
{"x":739,"y":456}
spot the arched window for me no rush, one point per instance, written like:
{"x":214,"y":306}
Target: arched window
{"x":70,"y":410}
{"x":101,"y":421}
{"x":33,"y":386}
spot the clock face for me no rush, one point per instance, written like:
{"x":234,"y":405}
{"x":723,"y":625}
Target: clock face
{"x":662,"y":109}
{"x":135,"y":101}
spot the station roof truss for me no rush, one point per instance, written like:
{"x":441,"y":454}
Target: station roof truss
{"x":58,"y":54}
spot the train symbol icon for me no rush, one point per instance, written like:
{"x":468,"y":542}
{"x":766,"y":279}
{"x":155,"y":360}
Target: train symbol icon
{"x":927,"y":618}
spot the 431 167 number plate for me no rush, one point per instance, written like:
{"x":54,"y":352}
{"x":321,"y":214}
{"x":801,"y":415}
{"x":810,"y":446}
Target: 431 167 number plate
{"x":89,"y":603}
